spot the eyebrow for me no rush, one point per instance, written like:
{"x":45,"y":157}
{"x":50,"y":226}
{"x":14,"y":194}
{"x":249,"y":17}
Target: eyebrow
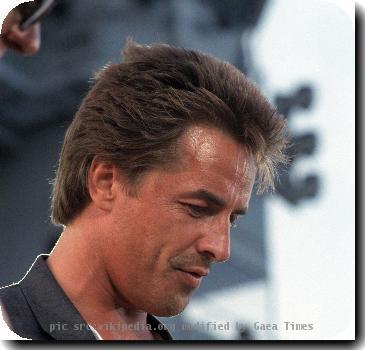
{"x":213,"y":199}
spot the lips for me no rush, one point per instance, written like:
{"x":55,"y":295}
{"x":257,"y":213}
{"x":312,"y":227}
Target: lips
{"x":193,"y":276}
{"x":196,"y":272}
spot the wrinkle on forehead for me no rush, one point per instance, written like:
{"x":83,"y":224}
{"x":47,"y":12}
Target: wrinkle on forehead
{"x":202,"y":146}
{"x":205,"y":148}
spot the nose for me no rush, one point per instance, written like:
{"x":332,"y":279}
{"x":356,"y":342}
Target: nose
{"x":215,"y":243}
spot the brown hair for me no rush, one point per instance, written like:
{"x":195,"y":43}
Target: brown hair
{"x":137,"y":109}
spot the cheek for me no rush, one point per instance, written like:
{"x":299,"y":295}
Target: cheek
{"x":164,"y":237}
{"x":149,"y":236}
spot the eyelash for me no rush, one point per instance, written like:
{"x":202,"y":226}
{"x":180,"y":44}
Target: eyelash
{"x":198,"y":211}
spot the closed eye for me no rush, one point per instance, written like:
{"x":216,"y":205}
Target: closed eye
{"x":197,"y":211}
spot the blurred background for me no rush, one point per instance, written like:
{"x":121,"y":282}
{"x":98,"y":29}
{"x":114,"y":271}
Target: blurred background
{"x":292,"y":255}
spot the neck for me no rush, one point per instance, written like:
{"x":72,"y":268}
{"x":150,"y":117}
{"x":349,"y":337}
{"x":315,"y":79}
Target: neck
{"x":76,"y":263}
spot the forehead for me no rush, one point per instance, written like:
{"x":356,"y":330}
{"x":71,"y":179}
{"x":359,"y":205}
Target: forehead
{"x":211,"y":157}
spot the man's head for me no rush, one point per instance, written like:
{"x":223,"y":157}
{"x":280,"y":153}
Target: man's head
{"x":163,"y":154}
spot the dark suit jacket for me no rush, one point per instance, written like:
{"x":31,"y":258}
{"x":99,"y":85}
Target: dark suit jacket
{"x":37,"y":308}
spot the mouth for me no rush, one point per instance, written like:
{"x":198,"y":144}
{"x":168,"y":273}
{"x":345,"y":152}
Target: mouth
{"x":194,"y":276}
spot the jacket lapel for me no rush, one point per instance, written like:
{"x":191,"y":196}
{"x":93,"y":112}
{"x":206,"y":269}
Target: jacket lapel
{"x":52,"y":308}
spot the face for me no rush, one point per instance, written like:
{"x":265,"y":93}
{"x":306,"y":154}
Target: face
{"x":164,"y":240}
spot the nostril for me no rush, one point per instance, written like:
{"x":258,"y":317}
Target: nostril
{"x":194,"y":274}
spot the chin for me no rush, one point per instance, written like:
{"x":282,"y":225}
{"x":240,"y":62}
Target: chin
{"x":168,"y":312}
{"x":169,"y":306}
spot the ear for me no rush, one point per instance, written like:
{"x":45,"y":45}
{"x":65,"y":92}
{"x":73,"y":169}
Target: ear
{"x":102,"y":184}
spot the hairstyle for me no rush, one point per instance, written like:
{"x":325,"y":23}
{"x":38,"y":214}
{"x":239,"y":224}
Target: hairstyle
{"x":136,"y":111}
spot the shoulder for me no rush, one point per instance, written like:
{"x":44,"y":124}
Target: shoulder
{"x":11,"y":297}
{"x":17,"y":313}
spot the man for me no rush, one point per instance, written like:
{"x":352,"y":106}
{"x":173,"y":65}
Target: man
{"x":157,"y":164}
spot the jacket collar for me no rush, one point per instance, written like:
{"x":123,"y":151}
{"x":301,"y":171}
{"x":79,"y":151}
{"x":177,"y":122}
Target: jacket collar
{"x":55,"y":312}
{"x":53,"y":309}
